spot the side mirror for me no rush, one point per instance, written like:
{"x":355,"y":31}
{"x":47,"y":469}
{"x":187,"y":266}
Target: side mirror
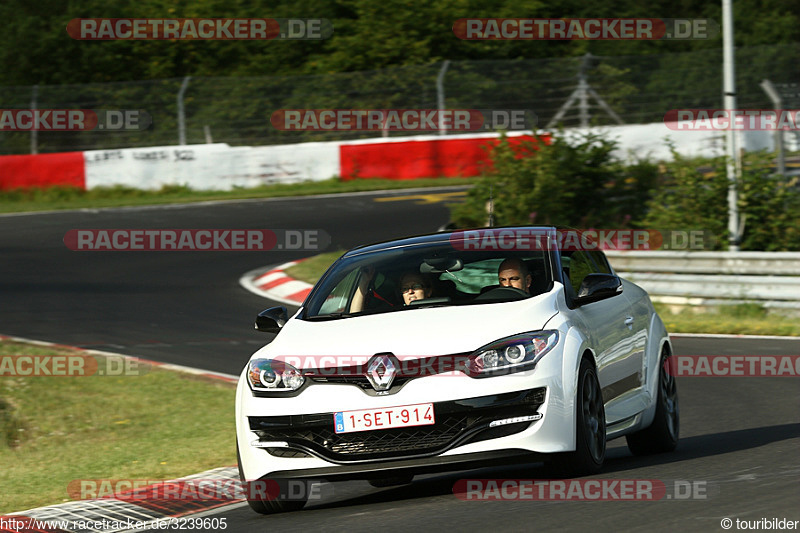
{"x":595,"y":287}
{"x":272,"y":320}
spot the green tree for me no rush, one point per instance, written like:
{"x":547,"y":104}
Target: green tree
{"x":368,"y":35}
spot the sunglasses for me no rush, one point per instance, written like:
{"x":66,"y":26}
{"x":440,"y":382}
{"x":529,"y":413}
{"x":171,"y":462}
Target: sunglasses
{"x":414,"y":287}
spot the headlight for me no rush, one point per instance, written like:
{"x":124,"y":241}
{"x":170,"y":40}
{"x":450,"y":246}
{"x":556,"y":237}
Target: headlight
{"x":268,"y":375}
{"x":512,"y":354}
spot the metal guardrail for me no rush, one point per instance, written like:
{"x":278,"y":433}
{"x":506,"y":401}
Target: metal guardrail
{"x":714,"y":278}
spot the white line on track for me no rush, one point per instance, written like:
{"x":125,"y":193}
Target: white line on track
{"x":157,"y":364}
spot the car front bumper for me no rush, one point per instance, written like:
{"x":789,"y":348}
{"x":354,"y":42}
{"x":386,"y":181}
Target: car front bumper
{"x":294,"y":437}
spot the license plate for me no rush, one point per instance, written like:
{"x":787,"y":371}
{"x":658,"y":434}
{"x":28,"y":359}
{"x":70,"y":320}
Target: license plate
{"x":401,"y":416}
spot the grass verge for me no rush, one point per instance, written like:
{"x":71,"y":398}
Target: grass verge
{"x":742,"y":319}
{"x":314,"y":267}
{"x":160,"y":425}
{"x":56,"y":198}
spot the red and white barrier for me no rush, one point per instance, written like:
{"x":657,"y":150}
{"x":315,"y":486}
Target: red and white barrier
{"x":427,"y":156}
{"x":222,"y":167}
{"x":42,"y":171}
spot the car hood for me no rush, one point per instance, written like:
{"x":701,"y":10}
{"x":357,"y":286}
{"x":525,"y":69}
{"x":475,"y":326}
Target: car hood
{"x":413,"y":332}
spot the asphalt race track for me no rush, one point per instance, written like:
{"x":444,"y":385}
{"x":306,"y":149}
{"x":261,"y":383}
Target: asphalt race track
{"x":740,"y":437}
{"x":178,"y":307}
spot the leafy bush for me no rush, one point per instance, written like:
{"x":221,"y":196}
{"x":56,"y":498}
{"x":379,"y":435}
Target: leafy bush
{"x":571,"y":180}
{"x":575,"y":180}
{"x":693,"y":194}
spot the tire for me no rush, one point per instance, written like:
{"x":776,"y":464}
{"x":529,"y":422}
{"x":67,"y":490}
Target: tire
{"x":271,"y":506}
{"x":590,"y":428}
{"x":391,"y":481}
{"x":663,"y":434}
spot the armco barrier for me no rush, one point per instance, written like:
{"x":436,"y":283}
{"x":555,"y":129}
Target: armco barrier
{"x":45,"y":170}
{"x":714,"y":278}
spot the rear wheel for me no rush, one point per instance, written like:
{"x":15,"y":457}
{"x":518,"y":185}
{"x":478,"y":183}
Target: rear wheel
{"x":662,"y":435}
{"x":590,"y":428}
{"x":270,"y":505}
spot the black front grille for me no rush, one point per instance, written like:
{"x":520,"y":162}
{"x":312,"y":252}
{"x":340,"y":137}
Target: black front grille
{"x":361,"y":381}
{"x":406,"y":369}
{"x":457,"y":422}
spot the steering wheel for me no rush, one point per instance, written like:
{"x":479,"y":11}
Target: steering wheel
{"x":503,"y":293}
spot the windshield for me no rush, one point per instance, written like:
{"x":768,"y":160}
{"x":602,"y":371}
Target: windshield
{"x":427,"y":275}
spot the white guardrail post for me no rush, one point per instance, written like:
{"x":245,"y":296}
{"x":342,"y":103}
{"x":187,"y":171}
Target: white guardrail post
{"x":771,"y":279}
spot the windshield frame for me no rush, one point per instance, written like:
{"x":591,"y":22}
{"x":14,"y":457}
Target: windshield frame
{"x":394,"y":254}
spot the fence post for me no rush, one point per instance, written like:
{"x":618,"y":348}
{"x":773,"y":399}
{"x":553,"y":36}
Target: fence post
{"x":777,"y":102}
{"x":182,"y":112}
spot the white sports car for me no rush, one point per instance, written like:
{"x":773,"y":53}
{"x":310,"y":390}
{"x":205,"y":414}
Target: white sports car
{"x":454,"y":351}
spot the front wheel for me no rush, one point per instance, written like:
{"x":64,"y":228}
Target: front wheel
{"x":590,"y":428}
{"x":662,"y":435}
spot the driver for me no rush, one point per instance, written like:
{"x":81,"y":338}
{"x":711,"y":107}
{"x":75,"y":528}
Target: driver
{"x":513,"y":273}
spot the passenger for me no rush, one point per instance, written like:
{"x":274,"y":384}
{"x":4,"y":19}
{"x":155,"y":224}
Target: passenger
{"x":357,"y":304}
{"x":513,"y":273}
{"x":414,"y":286}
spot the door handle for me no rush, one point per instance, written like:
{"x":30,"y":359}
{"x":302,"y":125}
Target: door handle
{"x":629,"y":322}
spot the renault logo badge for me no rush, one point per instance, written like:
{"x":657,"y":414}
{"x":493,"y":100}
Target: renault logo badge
{"x":381,"y":372}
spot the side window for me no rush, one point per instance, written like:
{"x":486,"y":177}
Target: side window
{"x":600,"y":262}
{"x":337,"y":300}
{"x":580,"y":264}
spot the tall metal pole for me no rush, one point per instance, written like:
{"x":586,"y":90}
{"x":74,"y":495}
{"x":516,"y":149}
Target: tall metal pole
{"x":733,"y":165}
{"x":440,"y":96}
{"x":182,"y":112}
